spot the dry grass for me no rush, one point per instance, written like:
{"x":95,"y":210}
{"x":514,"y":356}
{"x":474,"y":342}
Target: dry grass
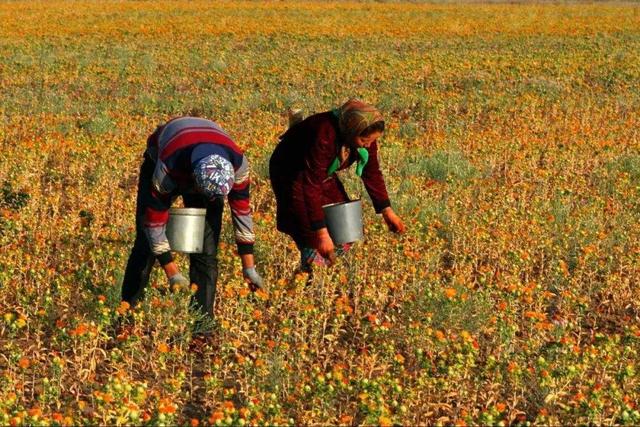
{"x":512,"y":154}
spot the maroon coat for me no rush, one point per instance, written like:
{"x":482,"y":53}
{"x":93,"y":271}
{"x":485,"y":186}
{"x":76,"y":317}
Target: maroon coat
{"x":298,"y":173}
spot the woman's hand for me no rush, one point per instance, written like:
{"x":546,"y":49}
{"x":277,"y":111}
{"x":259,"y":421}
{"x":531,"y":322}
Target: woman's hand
{"x":325,"y":245}
{"x":393,"y":221}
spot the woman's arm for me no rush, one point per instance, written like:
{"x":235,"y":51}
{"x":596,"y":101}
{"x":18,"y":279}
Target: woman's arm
{"x":156,"y":216}
{"x":317,"y":162}
{"x":239,"y":202}
{"x":374,"y":183}
{"x":241,"y":215}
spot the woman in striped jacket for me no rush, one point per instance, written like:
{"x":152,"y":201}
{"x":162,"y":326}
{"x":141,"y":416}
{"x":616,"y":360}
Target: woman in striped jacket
{"x":196,"y":159}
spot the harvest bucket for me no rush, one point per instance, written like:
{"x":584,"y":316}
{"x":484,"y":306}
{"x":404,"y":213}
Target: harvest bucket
{"x":185,"y":229}
{"x":344,"y":221}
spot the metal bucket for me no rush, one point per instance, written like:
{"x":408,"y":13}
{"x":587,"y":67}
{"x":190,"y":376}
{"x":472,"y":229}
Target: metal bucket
{"x":344,"y":221}
{"x":185,"y":229}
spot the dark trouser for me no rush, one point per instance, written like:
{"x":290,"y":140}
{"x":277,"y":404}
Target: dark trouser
{"x":203,"y":268}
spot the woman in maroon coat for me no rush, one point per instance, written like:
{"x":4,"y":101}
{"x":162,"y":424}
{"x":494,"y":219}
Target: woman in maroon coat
{"x":302,"y":172}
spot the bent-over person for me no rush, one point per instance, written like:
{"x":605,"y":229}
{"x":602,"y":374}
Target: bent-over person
{"x":303,"y":168}
{"x":196,"y":159}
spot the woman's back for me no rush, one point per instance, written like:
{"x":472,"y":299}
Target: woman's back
{"x":288,"y":157}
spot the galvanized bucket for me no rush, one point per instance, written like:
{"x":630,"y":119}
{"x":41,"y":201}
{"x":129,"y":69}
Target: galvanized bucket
{"x":185,"y":229}
{"x":344,"y":221}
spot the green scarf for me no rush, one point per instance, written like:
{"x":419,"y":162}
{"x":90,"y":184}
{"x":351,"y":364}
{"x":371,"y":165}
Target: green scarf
{"x":363,"y":154}
{"x":363,"y":158}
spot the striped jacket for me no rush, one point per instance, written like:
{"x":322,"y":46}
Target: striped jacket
{"x":176,"y":147}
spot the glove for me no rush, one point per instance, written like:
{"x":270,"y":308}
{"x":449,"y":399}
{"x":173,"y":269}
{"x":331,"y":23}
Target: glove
{"x":178,"y":279}
{"x":255,"y":281}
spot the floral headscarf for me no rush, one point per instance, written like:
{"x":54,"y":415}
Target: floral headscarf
{"x":354,"y":117}
{"x":214,"y":176}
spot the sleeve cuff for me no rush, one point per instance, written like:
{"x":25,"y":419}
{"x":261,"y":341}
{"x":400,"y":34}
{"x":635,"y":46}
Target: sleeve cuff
{"x":380,"y":206}
{"x":317,"y":225}
{"x":245,"y":248}
{"x":164,"y":258}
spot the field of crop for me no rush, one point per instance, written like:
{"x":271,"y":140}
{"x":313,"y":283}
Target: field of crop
{"x":512,"y":153}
